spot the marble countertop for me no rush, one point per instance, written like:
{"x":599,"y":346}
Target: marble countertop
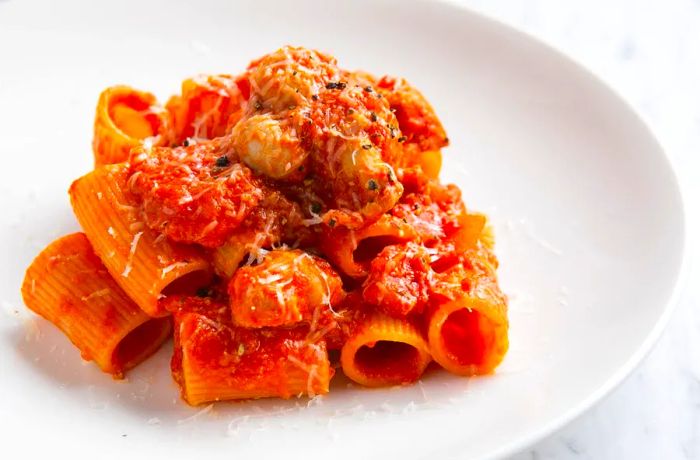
{"x":649,"y":52}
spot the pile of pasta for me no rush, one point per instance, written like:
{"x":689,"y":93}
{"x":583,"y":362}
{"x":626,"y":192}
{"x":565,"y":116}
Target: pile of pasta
{"x":284,"y":222}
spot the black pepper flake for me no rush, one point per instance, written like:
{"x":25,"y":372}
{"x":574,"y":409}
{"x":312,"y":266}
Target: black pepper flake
{"x":257,"y":105}
{"x":316,"y":207}
{"x":372,"y":184}
{"x":379,"y":96}
{"x":351,"y":111}
{"x":300,"y":168}
{"x":187,"y":142}
{"x":331,"y":223}
{"x":447,"y":139}
{"x":314,"y":97}
{"x":416,"y":207}
{"x":402,"y":139}
{"x":203,"y":292}
{"x":295,"y":73}
{"x":373,"y":116}
{"x":223,"y":161}
{"x":336,"y":85}
{"x":368,"y":89}
{"x":367,"y":146}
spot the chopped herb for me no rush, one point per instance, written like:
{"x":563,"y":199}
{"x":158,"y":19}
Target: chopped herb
{"x":314,"y":97}
{"x":367,"y":146}
{"x":316,"y":207}
{"x":203,"y":292}
{"x":336,"y":85}
{"x":402,"y":139}
{"x":223,"y":161}
{"x":368,"y":89}
{"x":331,"y":223}
{"x":257,"y":105}
{"x":372,"y":184}
{"x":373,"y":116}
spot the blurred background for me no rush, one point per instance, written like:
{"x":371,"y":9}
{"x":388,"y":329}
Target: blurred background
{"x":649,"y":52}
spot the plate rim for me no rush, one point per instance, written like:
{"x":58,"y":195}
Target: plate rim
{"x":618,"y":377}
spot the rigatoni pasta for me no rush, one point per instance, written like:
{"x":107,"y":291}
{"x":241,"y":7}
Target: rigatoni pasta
{"x":352,"y":250}
{"x":384,"y":351}
{"x":273,"y":216}
{"x":468,"y":327}
{"x":215,"y":360}
{"x":68,"y":285}
{"x":127,"y":118}
{"x":140,"y":261}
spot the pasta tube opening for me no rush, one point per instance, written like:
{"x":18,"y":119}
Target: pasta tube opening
{"x":141,"y":343}
{"x":465,"y":340}
{"x":385,"y":351}
{"x":369,"y":248}
{"x":126,"y":118}
{"x":353,"y":250}
{"x":385,"y":358}
{"x":188,"y":283}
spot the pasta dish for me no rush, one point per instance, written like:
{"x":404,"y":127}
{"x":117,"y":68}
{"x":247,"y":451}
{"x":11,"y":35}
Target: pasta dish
{"x":280,"y":224}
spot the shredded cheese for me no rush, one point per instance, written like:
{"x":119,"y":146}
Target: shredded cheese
{"x":314,"y":220}
{"x":170,"y":268}
{"x":96,"y":294}
{"x":132,"y":251}
{"x":199,"y":414}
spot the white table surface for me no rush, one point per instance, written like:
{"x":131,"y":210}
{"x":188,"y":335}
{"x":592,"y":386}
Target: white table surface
{"x":649,"y":52}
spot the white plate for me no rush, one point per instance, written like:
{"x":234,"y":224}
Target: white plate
{"x":588,"y":220}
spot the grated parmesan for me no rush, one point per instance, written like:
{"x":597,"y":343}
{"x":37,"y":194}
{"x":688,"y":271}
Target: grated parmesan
{"x":170,"y":268}
{"x":96,"y":294}
{"x":194,"y":417}
{"x":132,"y":251}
